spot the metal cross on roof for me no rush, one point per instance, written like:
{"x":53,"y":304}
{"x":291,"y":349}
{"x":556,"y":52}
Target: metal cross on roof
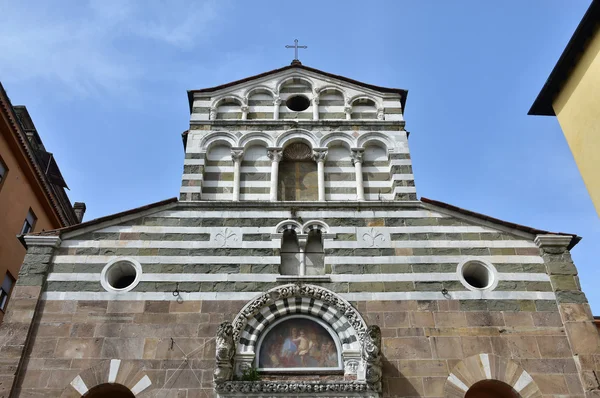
{"x":296,"y":47}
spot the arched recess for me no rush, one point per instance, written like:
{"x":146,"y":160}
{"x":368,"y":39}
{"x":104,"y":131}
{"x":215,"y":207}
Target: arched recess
{"x":290,"y":253}
{"x":128,"y":374}
{"x":109,"y":390}
{"x":331,"y":103}
{"x":218,"y":172}
{"x":297,"y":179}
{"x":260,"y":103}
{"x":480,"y":367}
{"x":315,"y":254}
{"x":218,"y":137}
{"x":311,"y":300}
{"x":340,"y":178}
{"x":292,"y":87}
{"x":228,"y":108}
{"x":364,"y":108}
{"x":255,"y":175}
{"x":376,"y":171}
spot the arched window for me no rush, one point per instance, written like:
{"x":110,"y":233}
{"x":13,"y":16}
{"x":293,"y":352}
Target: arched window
{"x":290,"y":254}
{"x":491,"y":389}
{"x":376,"y":173}
{"x":109,"y":390}
{"x":315,"y":256}
{"x":299,"y":342}
{"x":298,"y":178}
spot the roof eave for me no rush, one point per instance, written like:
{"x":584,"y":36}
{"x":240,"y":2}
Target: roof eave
{"x":542,"y":106}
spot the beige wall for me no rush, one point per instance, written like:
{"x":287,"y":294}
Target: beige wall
{"x":17,"y":195}
{"x":578,"y":110}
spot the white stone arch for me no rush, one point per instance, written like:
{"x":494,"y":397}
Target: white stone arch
{"x":218,"y":137}
{"x":262,"y":88}
{"x":320,"y":90}
{"x":357,"y":97}
{"x":112,"y":371}
{"x":287,"y":225}
{"x":314,"y":301}
{"x":228,"y":97}
{"x":332,"y":138}
{"x":315,"y":225}
{"x":375,"y":138}
{"x":256,"y":138}
{"x":489,"y":367}
{"x":296,"y":135}
{"x":283,"y":81}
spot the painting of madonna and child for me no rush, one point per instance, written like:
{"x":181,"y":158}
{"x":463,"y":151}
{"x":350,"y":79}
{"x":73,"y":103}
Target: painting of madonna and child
{"x":298,"y":343}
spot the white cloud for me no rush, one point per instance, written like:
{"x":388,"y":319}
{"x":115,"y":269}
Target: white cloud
{"x":98,"y":45}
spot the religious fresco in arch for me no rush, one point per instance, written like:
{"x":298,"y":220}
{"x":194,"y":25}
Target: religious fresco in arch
{"x":298,"y":343}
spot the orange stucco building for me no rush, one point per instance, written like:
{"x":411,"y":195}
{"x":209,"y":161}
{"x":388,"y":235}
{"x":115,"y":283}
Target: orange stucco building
{"x":32,"y":191}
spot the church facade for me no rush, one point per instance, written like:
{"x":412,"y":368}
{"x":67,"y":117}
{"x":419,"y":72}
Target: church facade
{"x":298,"y":262}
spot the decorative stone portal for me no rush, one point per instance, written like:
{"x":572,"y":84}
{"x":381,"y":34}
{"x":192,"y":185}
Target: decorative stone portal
{"x":508,"y":377}
{"x":307,"y":314}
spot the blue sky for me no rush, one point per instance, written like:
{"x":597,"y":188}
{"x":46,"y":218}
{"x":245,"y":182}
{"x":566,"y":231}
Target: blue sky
{"x":105,"y":82}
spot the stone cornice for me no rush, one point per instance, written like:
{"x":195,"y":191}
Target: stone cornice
{"x":555,"y":241}
{"x":41,"y":240}
{"x":290,"y":388}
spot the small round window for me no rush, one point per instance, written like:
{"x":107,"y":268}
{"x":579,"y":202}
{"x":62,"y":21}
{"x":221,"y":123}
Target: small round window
{"x":121,"y":275}
{"x":297,"y":103}
{"x":477,"y":274}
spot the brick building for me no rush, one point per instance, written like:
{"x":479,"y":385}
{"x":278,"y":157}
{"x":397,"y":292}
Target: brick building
{"x":32,"y":191}
{"x":298,"y":262}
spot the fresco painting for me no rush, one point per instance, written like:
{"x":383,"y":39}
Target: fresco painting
{"x":298,"y":343}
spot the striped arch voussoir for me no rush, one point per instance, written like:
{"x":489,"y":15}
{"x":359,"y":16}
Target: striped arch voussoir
{"x":127,"y":373}
{"x":489,"y":367}
{"x":290,"y":299}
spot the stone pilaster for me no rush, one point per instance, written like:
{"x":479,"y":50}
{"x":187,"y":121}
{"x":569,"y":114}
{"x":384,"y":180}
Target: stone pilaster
{"x":574,"y":310}
{"x":16,"y":328}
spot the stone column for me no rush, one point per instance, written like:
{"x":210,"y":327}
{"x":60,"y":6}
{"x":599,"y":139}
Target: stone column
{"x":245,"y":109}
{"x":575,"y":312}
{"x":348,"y":111}
{"x":16,"y":328}
{"x":275,"y":155}
{"x":315,"y":104}
{"x":319,"y":155}
{"x":357,"y":158}
{"x":302,"y":238}
{"x":276,"y":103}
{"x":236,"y":155}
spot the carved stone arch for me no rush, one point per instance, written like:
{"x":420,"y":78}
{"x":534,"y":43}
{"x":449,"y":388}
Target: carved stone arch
{"x":296,"y":135}
{"x":228,"y":97}
{"x":283,"y":81}
{"x":256,"y":138}
{"x":315,"y":301}
{"x":130,"y":374}
{"x":489,"y":367}
{"x":328,"y":87}
{"x":251,"y":91}
{"x":315,"y":225}
{"x":376,"y":137}
{"x":218,"y":137}
{"x":287,"y":225}
{"x":331,"y":138}
{"x":357,"y":97}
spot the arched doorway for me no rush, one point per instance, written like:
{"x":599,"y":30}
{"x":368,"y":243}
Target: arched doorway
{"x":491,"y":389}
{"x":109,"y":390}
{"x":298,"y":174}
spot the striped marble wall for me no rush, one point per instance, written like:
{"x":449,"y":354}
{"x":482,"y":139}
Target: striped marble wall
{"x":392,"y":253}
